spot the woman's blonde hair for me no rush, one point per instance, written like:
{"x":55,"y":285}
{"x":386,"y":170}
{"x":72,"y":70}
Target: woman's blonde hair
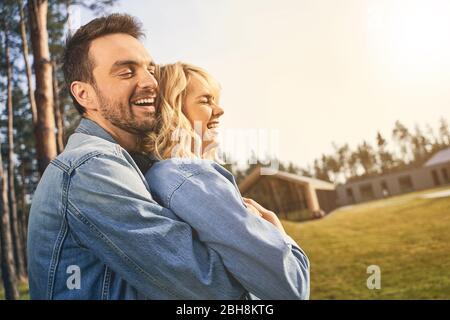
{"x":174,"y":134}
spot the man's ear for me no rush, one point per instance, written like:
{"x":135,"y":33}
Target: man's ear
{"x":84,"y":93}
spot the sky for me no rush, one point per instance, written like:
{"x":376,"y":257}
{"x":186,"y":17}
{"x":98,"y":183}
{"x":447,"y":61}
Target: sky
{"x":298,"y":75}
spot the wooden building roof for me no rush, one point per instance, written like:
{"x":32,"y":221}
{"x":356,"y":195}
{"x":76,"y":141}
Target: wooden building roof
{"x":255,"y":175}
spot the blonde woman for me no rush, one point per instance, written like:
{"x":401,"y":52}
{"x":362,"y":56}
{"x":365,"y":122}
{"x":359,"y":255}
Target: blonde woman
{"x":254,"y":247}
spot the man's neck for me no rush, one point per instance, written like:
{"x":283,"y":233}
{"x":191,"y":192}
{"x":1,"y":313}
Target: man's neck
{"x":125,"y":139}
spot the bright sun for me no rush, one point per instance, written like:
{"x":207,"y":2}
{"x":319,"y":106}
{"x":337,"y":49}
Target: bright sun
{"x":411,"y":37}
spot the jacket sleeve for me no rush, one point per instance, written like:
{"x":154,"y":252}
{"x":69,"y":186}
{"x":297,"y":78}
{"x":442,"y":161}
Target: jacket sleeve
{"x":267,"y":263}
{"x":111,"y":213}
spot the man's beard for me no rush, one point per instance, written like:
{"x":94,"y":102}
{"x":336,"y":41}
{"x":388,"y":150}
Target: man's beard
{"x":122,"y":116}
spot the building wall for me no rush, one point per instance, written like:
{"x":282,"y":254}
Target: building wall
{"x":327,"y":200}
{"x":421,"y":178}
{"x":278,"y":195}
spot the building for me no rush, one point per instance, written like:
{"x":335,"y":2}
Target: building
{"x":296,"y":197}
{"x":285,"y":193}
{"x":434,"y":173}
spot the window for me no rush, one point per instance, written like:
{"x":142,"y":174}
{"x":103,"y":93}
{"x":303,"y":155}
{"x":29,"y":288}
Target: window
{"x":350,"y":196}
{"x":436,"y":180}
{"x":384,"y":189}
{"x":405,"y":184}
{"x":445,"y":175}
{"x":367,"y":192}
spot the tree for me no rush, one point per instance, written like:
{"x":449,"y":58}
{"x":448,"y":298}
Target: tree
{"x":320,"y":171}
{"x":47,"y":149}
{"x":26,"y":175}
{"x":331,"y":166}
{"x":385,"y":158}
{"x":354,"y":164}
{"x":25,"y":53}
{"x":8,"y":260}
{"x":366,"y":157}
{"x":444,"y":132}
{"x":7,"y":251}
{"x":402,"y":136}
{"x":56,"y":21}
{"x":342,"y":157}
{"x":7,"y":247}
{"x":306,"y":172}
{"x":18,"y":250}
{"x":419,"y":145}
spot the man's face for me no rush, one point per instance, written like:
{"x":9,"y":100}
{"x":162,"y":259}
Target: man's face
{"x":124,"y":82}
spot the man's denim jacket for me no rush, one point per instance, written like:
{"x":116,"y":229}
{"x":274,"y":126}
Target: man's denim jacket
{"x":95,"y":232}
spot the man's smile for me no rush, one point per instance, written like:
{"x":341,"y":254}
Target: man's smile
{"x":145,"y":103}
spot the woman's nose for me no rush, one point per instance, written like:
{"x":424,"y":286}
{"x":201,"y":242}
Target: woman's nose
{"x":218,"y":111}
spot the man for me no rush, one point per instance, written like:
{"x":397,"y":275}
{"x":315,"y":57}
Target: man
{"x":94,"y":231}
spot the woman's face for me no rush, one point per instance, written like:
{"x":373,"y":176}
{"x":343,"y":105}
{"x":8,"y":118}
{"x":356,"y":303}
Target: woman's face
{"x":201,"y":107}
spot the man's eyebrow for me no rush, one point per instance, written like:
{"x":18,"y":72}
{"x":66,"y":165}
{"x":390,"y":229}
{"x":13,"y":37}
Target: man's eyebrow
{"x":122,"y":63}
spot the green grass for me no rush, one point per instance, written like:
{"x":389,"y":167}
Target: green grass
{"x":408,"y":237}
{"x":23,"y":291}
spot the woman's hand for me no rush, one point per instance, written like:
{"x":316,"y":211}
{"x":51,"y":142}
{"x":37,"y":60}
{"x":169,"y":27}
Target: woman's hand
{"x":258,"y":210}
{"x":252,"y":209}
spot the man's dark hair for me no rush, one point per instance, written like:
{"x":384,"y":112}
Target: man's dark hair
{"x":77,"y":65}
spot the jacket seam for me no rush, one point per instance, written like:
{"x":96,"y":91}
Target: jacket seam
{"x":185,"y":179}
{"x":84,"y":159}
{"x":192,"y":174}
{"x":79,"y":216}
{"x":62,"y":234}
{"x":106,"y":284}
{"x":55,"y":258}
{"x":57,"y":163}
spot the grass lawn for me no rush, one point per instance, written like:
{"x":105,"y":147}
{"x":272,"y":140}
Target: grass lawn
{"x":23,"y":291}
{"x":407,"y":236}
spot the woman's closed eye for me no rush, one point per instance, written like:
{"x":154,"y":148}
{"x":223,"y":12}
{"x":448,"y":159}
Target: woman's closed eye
{"x":207,"y":100}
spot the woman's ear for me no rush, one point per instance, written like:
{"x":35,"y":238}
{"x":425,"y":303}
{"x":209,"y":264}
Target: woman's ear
{"x":84,"y":94}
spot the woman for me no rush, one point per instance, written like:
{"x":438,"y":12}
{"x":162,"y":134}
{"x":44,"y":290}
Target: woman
{"x":254,"y":247}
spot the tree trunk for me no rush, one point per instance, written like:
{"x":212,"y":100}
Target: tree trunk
{"x":31,"y":98}
{"x":58,"y":114}
{"x":16,"y":236}
{"x":7,"y":250}
{"x":23,"y":218}
{"x":25,"y":53}
{"x":44,"y":88}
{"x":69,"y":18}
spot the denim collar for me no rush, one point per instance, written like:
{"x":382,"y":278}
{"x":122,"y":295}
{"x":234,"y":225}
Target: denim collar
{"x":92,"y":128}
{"x":87,"y":126}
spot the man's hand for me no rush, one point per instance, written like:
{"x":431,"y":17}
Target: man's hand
{"x":258,"y":210}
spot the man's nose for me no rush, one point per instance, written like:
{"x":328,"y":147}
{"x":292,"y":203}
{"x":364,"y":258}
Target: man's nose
{"x":148,"y":81}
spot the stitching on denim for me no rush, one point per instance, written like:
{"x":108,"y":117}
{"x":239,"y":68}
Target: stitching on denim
{"x":106,"y":284}
{"x":78,"y":215}
{"x":55,"y":258}
{"x":60,"y":165}
{"x":83,"y":159}
{"x":63,"y":231}
{"x":189,"y":170}
{"x":185,"y":179}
